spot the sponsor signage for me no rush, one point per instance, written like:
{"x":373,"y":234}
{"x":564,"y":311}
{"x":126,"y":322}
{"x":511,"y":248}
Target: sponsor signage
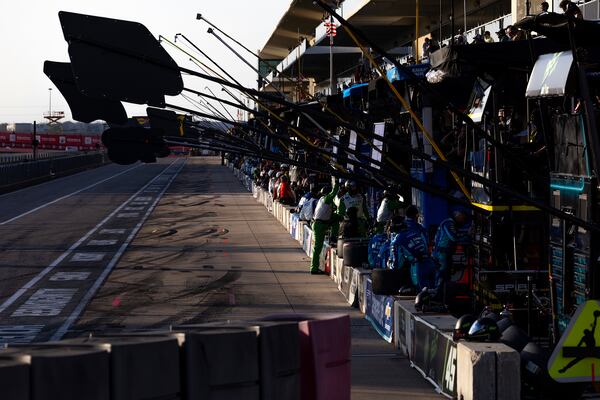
{"x":379,"y":312}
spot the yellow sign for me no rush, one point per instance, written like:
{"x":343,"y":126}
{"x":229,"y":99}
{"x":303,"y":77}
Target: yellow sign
{"x":576,"y":358}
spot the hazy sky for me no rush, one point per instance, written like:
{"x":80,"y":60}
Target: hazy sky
{"x":30,"y":34}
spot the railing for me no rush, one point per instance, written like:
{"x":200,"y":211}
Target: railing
{"x":12,"y":158}
{"x":492,"y":26}
{"x":19,"y":174}
{"x":590,"y":10}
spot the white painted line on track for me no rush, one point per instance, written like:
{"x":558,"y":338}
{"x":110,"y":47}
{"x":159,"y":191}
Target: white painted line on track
{"x":143,"y":199}
{"x":87,"y":257}
{"x":45,"y":303}
{"x":66,"y":196}
{"x":128,"y":215}
{"x":133,"y":208}
{"x":107,"y":242}
{"x":75,"y":245}
{"x":100,"y":280}
{"x":69,"y":276}
{"x":19,"y":333}
{"x":112,"y":231}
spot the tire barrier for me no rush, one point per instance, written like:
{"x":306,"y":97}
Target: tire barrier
{"x":533,"y":363}
{"x":324,"y":355}
{"x":221,"y":364}
{"x":356,"y":253}
{"x":504,"y":324}
{"x":386,"y":282}
{"x":515,"y":338}
{"x":213,"y":361}
{"x":14,"y":378}
{"x":279,"y":355}
{"x":64,"y":372}
{"x":141,"y":367}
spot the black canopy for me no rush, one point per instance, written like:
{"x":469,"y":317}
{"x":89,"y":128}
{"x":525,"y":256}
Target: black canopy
{"x":83,"y":108}
{"x":119,"y":59}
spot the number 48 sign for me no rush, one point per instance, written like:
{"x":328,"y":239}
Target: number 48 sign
{"x":576,"y":358}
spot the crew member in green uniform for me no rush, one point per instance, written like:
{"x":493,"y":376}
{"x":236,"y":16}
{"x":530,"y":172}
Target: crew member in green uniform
{"x":321,"y":222}
{"x":336,"y":219}
{"x":353,"y":198}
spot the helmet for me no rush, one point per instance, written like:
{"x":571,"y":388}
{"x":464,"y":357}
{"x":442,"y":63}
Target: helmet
{"x":422,"y":300}
{"x":463,"y":324}
{"x":487,"y":312}
{"x":484,"y":330}
{"x":278,"y":174}
{"x":350,"y":184}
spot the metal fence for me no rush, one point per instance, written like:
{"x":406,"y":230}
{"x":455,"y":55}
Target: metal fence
{"x":11,"y":158}
{"x":16,"y":174}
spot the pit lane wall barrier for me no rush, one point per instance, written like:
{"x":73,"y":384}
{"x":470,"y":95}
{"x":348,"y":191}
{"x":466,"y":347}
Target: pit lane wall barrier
{"x":463,"y":370}
{"x":279,"y":357}
{"x":16,"y":175}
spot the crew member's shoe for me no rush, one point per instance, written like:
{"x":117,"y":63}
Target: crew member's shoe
{"x":316,"y":272}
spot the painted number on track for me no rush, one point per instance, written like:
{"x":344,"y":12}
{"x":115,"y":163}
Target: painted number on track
{"x":87,"y":257}
{"x":69,"y":276}
{"x":19,"y":333}
{"x":45,"y":302}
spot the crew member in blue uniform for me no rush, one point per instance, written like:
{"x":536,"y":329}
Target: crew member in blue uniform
{"x":411,"y":245}
{"x":412,"y":221}
{"x":450,"y":233}
{"x":379,"y":244}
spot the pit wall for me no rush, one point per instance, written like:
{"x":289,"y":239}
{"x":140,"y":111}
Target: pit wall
{"x":462,"y":370}
{"x":17,"y":175}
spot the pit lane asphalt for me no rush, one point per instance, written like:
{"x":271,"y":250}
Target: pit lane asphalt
{"x":208,"y":251}
{"x":59,"y":240}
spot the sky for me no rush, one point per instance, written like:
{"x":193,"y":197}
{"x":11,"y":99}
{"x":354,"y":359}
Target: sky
{"x":30,"y":34}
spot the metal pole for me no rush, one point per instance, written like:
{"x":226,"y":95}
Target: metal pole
{"x":50,"y":102}
{"x":279,"y":88}
{"x":417,"y":31}
{"x":34,"y":141}
{"x":331,"y":82}
{"x":452,"y":21}
{"x":591,"y":130}
{"x":529,"y":300}
{"x":465,"y":16}
{"x":222,"y":105}
{"x":211,"y":31}
{"x":200,"y":17}
{"x":440,"y":38}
